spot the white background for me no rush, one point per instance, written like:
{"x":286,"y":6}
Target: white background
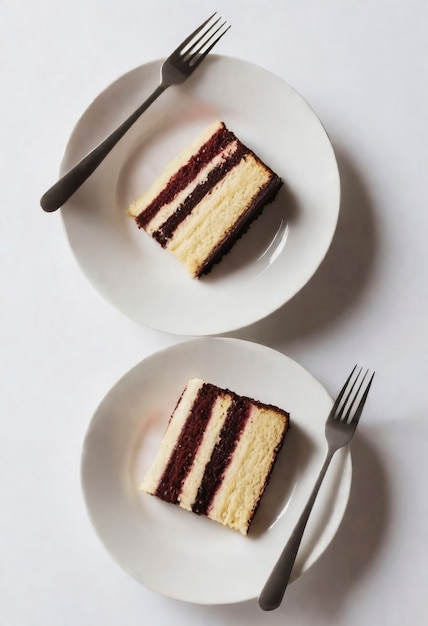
{"x":362,"y":65}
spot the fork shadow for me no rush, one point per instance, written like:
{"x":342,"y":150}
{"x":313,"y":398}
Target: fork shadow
{"x":342,"y":277}
{"x":352,"y":552}
{"x":358,"y":541}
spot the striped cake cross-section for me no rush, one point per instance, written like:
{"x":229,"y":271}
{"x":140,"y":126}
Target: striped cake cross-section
{"x":206,"y":198}
{"x":217,"y":454}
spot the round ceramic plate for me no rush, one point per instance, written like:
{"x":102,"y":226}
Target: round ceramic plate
{"x":178,"y":553}
{"x":268,"y":265}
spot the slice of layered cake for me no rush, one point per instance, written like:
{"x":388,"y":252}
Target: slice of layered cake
{"x":206,"y":198}
{"x":217,"y":454}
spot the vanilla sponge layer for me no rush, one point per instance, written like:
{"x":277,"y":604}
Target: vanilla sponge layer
{"x":213,"y":219}
{"x":245,"y":479}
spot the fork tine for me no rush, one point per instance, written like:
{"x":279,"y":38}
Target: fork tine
{"x":342,"y":391}
{"x":192,"y":35}
{"x":339,"y":415}
{"x":205,"y":38}
{"x":203,"y":54}
{"x":354,"y":399}
{"x":204,"y":34}
{"x":360,"y":407}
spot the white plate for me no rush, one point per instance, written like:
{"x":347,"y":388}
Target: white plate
{"x":175,"y":552}
{"x":279,"y":253}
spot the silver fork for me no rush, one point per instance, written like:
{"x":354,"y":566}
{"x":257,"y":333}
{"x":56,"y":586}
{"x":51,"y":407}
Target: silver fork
{"x":174,"y":71}
{"x":339,"y":429}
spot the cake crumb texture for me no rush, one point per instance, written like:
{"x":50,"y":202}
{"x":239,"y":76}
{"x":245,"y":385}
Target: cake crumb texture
{"x":217,"y":454}
{"x":206,"y":198}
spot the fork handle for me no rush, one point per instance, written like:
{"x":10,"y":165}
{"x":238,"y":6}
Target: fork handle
{"x":62,"y":190}
{"x":275,"y":586}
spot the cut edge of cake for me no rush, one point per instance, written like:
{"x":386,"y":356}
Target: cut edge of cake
{"x":206,"y":198}
{"x":217,"y":454}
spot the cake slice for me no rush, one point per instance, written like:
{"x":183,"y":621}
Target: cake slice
{"x":217,"y":454}
{"x":204,"y":200}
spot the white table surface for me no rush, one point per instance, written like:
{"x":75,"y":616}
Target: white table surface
{"x":363,"y":68}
